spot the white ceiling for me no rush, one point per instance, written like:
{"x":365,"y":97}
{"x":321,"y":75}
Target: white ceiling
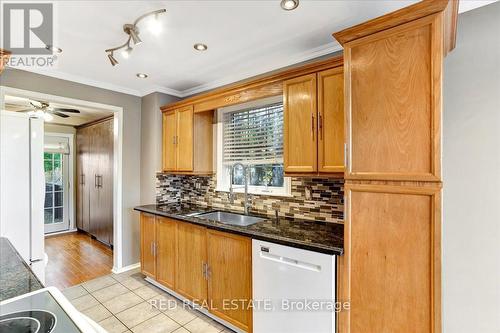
{"x":244,"y":38}
{"x":86,"y":115}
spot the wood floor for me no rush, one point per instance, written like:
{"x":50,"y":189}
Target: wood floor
{"x":75,"y":258}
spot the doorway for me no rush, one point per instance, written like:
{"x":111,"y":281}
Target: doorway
{"x":56,"y":162}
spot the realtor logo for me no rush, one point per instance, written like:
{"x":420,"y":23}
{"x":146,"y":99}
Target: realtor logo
{"x":28,"y":28}
{"x":28,"y":32}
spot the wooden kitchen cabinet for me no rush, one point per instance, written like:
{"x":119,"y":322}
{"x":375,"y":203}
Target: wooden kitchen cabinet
{"x":169,"y":139}
{"x":166,"y":242}
{"x":393,"y":104}
{"x":331,"y":120}
{"x":299,"y":130}
{"x":229,"y":276}
{"x":191,"y":262}
{"x":94,"y":204}
{"x":148,"y":245}
{"x":391,"y":267}
{"x":314,"y":123}
{"x":187,"y":141}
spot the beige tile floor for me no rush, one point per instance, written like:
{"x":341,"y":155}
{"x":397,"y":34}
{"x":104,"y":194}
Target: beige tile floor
{"x":126,"y":303}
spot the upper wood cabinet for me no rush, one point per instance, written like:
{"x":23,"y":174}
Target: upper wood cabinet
{"x":191,"y":262}
{"x":393,"y":102}
{"x":169,"y":141}
{"x":187,"y":141}
{"x":148,"y":245}
{"x":331,"y":120}
{"x":229,"y":277}
{"x":314,"y":123}
{"x":299,"y":131}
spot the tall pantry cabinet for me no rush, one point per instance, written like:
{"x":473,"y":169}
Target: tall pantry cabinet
{"x":94,"y":146}
{"x":391,"y":267}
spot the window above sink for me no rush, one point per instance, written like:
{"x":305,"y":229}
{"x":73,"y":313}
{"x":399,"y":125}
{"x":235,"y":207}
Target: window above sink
{"x":252,"y":134}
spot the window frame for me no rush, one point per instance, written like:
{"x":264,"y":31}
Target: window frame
{"x":222,"y":173}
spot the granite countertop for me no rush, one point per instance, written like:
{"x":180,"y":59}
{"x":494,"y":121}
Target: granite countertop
{"x":315,"y":236}
{"x":16,"y":278}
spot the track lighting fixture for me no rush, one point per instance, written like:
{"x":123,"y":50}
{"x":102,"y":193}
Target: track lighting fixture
{"x":132,"y":31}
{"x":112,"y":59}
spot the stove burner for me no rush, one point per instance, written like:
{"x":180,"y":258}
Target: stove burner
{"x":35,"y":321}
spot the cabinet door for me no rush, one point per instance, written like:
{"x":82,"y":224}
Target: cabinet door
{"x":191,"y":262}
{"x":393,"y":104}
{"x":230,"y":277}
{"x":166,"y":233}
{"x":84,"y":180}
{"x":148,"y":243}
{"x":331,"y":120}
{"x":392,"y":259}
{"x":95,"y":219}
{"x":169,"y":139}
{"x":185,"y":139}
{"x":300,"y":133}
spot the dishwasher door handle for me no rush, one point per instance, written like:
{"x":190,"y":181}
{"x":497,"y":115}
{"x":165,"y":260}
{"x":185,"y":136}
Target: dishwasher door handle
{"x":290,"y":262}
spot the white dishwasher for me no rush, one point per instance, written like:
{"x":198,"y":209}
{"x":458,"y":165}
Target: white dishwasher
{"x":293,"y":289}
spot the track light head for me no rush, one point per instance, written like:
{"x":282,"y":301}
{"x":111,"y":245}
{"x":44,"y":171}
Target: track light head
{"x":112,"y":59}
{"x":133,"y":32}
{"x":126,"y":52}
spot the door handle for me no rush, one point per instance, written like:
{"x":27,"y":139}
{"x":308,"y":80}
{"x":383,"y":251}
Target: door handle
{"x":312,"y":125}
{"x":320,"y":125}
{"x":99,"y":181}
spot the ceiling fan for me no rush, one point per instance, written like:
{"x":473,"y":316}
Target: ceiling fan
{"x":44,"y":110}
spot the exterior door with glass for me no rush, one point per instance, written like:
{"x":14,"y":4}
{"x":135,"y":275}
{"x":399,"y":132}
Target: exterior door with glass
{"x":56,"y":167}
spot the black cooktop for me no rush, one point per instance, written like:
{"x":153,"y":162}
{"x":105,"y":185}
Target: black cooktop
{"x":37,"y":313}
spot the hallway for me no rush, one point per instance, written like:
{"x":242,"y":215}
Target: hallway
{"x":75,"y":258}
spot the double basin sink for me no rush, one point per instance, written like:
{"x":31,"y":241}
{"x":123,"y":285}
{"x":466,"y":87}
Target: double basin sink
{"x":229,"y":218}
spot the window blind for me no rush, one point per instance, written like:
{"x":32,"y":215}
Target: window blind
{"x":254,"y":136}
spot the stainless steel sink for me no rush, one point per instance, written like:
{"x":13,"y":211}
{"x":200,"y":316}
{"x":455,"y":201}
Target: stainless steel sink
{"x":231,"y":218}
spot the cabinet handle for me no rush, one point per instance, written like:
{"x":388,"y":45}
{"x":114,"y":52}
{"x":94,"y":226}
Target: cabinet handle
{"x":320,"y":125}
{"x":100,"y":181}
{"x":204,"y":270}
{"x":82,"y":179}
{"x":96,"y":182}
{"x":176,"y":139}
{"x":173,"y":140}
{"x":312,"y":125}
{"x":345,"y":155}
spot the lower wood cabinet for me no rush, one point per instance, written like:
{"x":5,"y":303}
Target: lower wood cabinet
{"x":166,"y":251}
{"x":229,"y":272}
{"x":390,"y":271}
{"x":148,"y":244}
{"x":191,"y":262}
{"x":208,"y":267}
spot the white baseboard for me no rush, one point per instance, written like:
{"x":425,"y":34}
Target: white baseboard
{"x":194,"y":306}
{"x":60,"y":232}
{"x":126,"y":268}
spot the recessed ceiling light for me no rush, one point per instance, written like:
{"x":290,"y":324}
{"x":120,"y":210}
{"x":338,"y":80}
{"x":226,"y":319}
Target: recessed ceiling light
{"x":141,"y":75}
{"x":53,"y":48}
{"x":200,"y":47}
{"x":289,"y":4}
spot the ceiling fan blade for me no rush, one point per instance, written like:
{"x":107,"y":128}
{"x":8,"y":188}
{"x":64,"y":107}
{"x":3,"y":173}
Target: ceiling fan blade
{"x":67,"y":110}
{"x":62,"y":115}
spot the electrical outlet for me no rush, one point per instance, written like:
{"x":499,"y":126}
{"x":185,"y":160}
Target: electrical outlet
{"x":197,"y":186}
{"x":308,"y":192}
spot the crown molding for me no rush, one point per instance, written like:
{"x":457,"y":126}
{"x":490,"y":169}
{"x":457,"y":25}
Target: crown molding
{"x":301,"y":57}
{"x":164,"y":90}
{"x":305,"y":56}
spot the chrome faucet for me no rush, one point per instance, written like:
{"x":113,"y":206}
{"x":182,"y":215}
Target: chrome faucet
{"x":231,"y":192}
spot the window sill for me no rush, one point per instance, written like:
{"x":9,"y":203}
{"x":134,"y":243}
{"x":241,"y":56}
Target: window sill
{"x":257,"y":192}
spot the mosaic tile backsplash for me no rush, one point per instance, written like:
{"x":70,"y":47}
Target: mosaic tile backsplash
{"x":319,"y":199}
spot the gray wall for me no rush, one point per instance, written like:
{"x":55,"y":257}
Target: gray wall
{"x":131,"y":141}
{"x":151,"y":143}
{"x":471,"y":172}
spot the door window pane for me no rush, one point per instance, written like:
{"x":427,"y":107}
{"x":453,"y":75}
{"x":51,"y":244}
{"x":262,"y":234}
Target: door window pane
{"x":58,"y":199}
{"x":49,"y":216}
{"x":58,"y":214}
{"x":54,"y":186}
